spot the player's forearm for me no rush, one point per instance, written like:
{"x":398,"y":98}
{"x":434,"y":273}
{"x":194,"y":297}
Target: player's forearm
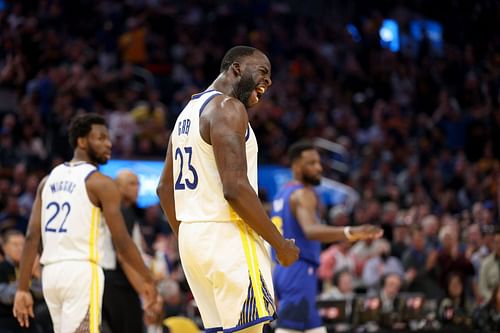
{"x":168,"y":206}
{"x":325,"y":234}
{"x":30,"y":251}
{"x":247,"y":205}
{"x":129,"y":253}
{"x":134,"y":278}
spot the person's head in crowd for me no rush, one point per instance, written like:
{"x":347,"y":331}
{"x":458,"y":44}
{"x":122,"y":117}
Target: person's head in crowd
{"x":448,"y":237}
{"x":391,"y":286}
{"x":19,"y":174}
{"x":400,"y":231}
{"x":496,"y":242}
{"x":488,"y":212}
{"x":390,"y":212}
{"x":360,"y":213}
{"x":478,"y":212}
{"x":382,"y":248}
{"x":373,"y":211}
{"x":488,"y":236}
{"x":12,"y":246}
{"x":430,"y":226}
{"x":455,"y":289}
{"x":11,"y":208}
{"x":472,"y":235}
{"x":338,"y":216}
{"x":128,"y":185}
{"x":418,"y":239}
{"x":343,"y":281}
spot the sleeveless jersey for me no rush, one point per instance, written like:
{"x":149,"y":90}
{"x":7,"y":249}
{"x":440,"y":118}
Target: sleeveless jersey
{"x":197,"y":185}
{"x":72,"y":227}
{"x":282,"y":216}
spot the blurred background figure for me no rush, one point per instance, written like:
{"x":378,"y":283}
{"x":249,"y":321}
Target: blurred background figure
{"x":121,"y":308}
{"x":12,"y":243}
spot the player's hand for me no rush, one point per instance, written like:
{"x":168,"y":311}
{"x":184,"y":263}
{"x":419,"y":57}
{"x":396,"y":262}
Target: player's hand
{"x":154,"y":315}
{"x":149,"y":294}
{"x":23,"y":307}
{"x":287,"y":253}
{"x":366,"y":231}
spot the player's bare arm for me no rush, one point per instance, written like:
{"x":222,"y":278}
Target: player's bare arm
{"x":23,"y":301}
{"x":228,"y":123}
{"x":165,"y":190}
{"x":304,"y":203}
{"x":104,"y":193}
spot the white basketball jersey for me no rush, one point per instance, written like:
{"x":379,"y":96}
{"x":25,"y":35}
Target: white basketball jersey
{"x":72,"y":227}
{"x":197,"y":185}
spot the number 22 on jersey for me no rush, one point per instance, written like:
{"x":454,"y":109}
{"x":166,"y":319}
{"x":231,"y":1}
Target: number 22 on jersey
{"x":59,"y":215}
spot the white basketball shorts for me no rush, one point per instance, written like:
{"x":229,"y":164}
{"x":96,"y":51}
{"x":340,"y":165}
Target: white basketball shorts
{"x":229,"y":271}
{"x":73,"y":293}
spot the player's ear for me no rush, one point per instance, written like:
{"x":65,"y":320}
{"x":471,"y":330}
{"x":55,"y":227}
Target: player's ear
{"x":236,"y":68}
{"x":81,"y":142}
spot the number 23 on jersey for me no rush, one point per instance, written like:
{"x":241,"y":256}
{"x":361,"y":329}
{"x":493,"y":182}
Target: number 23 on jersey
{"x":187,"y":177}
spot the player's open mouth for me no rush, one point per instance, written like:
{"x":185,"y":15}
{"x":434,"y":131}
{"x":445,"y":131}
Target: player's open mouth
{"x":260,"y":91}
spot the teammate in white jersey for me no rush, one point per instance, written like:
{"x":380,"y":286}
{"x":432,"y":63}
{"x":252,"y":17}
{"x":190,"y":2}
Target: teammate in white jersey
{"x":208,"y":189}
{"x":74,"y":206}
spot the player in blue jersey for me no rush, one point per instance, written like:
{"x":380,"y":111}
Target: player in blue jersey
{"x":295,"y":213}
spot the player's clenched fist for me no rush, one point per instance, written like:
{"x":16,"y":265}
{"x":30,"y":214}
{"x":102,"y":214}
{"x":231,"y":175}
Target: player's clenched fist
{"x":288,"y":253}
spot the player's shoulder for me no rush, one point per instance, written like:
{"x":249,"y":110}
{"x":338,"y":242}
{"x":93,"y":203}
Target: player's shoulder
{"x":223,"y":103}
{"x":97,"y":178}
{"x":302,"y":194}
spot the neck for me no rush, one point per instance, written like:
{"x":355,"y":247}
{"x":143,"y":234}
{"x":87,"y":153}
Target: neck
{"x":80,"y":156}
{"x":223,"y":84}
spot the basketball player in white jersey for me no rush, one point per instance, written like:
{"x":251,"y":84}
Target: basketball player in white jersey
{"x":208,"y":190}
{"x":74,"y":206}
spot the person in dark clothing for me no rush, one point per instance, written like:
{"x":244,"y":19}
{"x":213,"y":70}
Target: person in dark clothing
{"x":12,"y":245}
{"x":487,"y":316}
{"x":122,"y":311}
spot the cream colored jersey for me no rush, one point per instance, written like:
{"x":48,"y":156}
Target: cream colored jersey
{"x":197,"y":185}
{"x":72,"y":227}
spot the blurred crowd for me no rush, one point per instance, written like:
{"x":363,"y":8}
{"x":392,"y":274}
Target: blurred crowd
{"x":420,"y":128}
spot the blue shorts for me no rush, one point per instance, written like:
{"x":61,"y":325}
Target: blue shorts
{"x":296,"y":288}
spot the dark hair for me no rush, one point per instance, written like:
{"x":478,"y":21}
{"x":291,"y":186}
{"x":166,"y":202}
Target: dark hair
{"x":455,"y":275}
{"x":338,"y":274}
{"x":297,"y":148}
{"x":8,"y":234}
{"x":81,"y":125}
{"x":235,"y":54}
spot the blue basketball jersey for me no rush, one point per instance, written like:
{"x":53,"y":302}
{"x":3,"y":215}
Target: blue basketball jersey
{"x":282,"y":217}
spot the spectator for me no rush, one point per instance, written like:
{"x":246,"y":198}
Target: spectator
{"x":451,"y":257}
{"x":12,"y":246}
{"x":380,"y":265}
{"x":342,"y":288}
{"x":454,"y":310}
{"x":489,"y":274}
{"x":335,"y":258}
{"x":487,"y":316}
{"x":420,"y":266}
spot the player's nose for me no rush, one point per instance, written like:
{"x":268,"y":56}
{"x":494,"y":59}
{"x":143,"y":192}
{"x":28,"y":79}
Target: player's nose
{"x":268,"y":81}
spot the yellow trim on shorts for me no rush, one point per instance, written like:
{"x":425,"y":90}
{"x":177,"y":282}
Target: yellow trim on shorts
{"x":94,"y":307}
{"x":249,"y":248}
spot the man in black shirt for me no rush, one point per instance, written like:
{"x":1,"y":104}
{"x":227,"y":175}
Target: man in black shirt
{"x":122,"y":310}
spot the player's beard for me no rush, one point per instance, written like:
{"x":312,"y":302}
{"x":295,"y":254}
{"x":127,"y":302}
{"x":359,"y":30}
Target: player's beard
{"x":314,"y":181}
{"x":245,"y":88}
{"x":94,"y":157}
